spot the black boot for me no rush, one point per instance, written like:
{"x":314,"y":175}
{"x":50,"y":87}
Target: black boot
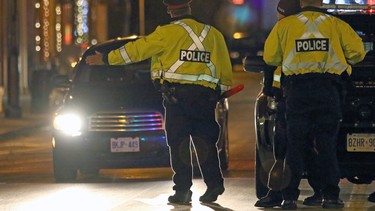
{"x":332,"y":204}
{"x":272,"y":199}
{"x":371,"y":197}
{"x":289,"y":205}
{"x":314,"y":200}
{"x":211,"y":194}
{"x":181,"y":197}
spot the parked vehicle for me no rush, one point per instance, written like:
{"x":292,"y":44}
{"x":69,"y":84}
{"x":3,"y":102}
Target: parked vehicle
{"x":356,"y":137}
{"x":241,"y":47}
{"x":112,"y":117}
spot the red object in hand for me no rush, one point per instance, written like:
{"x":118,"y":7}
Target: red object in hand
{"x":233,"y":91}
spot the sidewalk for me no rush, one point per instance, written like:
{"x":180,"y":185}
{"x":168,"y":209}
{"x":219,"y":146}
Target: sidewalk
{"x":11,"y":127}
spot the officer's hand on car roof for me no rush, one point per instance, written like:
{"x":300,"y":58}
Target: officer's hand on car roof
{"x":95,"y":59}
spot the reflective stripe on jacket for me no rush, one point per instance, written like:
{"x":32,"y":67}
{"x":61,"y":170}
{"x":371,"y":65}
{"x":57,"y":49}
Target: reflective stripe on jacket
{"x":277,"y":78}
{"x":313,"y":42}
{"x":185,"y":51}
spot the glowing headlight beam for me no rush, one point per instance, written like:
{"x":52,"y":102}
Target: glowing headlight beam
{"x":68,"y":123}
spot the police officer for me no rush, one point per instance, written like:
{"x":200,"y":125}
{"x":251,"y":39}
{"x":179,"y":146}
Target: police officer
{"x":191,"y":62}
{"x":314,"y":49}
{"x":272,"y":87}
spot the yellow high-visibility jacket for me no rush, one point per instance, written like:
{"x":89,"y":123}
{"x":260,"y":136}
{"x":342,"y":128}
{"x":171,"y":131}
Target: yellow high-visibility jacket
{"x":184,"y":51}
{"x":313,"y":42}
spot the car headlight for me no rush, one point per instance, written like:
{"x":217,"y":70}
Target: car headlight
{"x":68,"y":123}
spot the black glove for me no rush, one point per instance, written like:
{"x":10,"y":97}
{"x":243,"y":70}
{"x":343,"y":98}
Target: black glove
{"x":268,"y":80}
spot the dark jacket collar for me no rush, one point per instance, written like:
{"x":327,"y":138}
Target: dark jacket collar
{"x":185,"y":17}
{"x":314,"y":9}
{"x":180,"y":18}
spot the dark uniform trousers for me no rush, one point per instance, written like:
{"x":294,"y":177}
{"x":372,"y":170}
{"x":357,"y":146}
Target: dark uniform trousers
{"x":313,"y":113}
{"x":310,"y":153}
{"x":192,"y":118}
{"x":281,"y":140}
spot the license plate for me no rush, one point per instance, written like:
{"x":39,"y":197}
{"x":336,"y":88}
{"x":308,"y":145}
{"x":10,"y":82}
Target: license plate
{"x":360,"y":142}
{"x":125,"y":144}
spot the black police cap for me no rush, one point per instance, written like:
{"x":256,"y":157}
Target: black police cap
{"x":288,"y":7}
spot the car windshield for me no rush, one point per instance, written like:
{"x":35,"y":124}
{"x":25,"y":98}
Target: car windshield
{"x":114,"y":74}
{"x":359,"y":14}
{"x":349,"y":2}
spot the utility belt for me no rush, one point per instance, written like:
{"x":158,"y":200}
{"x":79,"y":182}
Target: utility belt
{"x":320,"y":79}
{"x":172,"y":91}
{"x":316,"y":77}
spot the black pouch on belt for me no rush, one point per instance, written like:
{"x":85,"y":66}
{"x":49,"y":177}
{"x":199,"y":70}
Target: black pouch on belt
{"x":168,"y":93}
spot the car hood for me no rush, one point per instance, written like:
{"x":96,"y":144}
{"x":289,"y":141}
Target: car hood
{"x":114,"y":97}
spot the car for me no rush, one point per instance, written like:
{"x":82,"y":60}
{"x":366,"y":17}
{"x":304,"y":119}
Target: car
{"x":112,"y":116}
{"x":356,"y":137}
{"x":242,"y":45}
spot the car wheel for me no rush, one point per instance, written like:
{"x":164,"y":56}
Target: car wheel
{"x":223,"y":154}
{"x":62,"y":170}
{"x":261,"y":175}
{"x":223,"y":143}
{"x":196,"y":169}
{"x":224,"y":149}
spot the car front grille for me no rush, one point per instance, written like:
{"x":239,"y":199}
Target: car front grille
{"x":363,"y":84}
{"x":125,"y":122}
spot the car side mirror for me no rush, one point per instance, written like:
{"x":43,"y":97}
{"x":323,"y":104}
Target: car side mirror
{"x":254,"y":64}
